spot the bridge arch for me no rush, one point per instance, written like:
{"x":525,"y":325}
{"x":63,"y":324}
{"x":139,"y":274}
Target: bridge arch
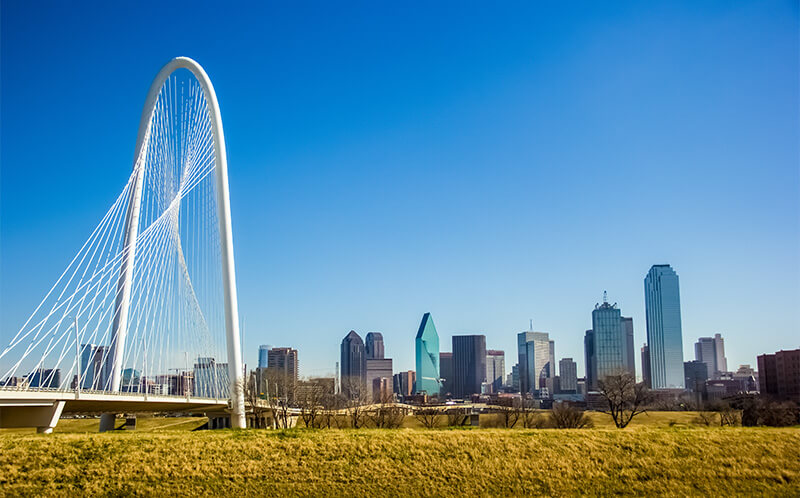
{"x":125,"y":282}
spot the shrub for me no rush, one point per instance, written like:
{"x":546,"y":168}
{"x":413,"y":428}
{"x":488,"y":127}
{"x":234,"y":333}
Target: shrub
{"x":566,"y":416}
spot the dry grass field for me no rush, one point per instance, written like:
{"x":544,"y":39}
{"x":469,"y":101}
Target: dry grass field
{"x":168,"y":460}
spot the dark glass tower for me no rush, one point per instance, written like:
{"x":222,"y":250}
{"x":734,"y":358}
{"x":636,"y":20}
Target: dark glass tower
{"x":469,"y":364}
{"x":354,"y":364}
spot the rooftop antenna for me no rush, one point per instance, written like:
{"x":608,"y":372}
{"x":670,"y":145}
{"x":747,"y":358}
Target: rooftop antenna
{"x":605,"y":297}
{"x":531,"y":326}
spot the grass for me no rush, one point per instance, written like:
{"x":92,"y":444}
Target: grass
{"x":642,"y":460}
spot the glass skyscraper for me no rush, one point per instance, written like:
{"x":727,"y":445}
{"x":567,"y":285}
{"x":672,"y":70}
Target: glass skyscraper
{"x":609,"y":343}
{"x":427,"y":353}
{"x":263,"y":355}
{"x":535,"y":353}
{"x":664,"y":338}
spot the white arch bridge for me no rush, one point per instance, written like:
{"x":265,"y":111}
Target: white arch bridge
{"x":143,"y":315}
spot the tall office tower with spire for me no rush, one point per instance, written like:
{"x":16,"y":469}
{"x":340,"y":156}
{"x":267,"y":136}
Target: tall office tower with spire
{"x":535,"y":353}
{"x":354,"y":366}
{"x":664,"y":336}
{"x":609,"y":343}
{"x":427,"y":356}
{"x":711,"y":351}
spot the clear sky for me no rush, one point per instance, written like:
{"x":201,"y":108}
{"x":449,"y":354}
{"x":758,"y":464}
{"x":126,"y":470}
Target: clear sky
{"x":489,"y":164}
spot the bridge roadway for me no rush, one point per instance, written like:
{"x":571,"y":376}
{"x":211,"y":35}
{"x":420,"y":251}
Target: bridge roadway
{"x":41,"y":408}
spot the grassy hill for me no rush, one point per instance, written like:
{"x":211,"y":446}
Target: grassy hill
{"x":643,"y":460}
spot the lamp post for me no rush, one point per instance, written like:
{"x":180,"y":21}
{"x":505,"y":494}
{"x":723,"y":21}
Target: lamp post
{"x":77,"y":354}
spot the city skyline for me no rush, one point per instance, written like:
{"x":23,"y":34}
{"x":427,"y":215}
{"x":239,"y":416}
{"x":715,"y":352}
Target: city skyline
{"x":472,"y":192}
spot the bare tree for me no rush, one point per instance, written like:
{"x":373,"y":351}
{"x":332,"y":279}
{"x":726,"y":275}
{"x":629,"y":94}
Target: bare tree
{"x":430,"y":418}
{"x":277,"y":390}
{"x":310,"y":397}
{"x":356,"y":400}
{"x":386,"y":415}
{"x":510,"y":415}
{"x":706,"y":417}
{"x":457,"y":417}
{"x":623,"y":397}
{"x":252,"y":397}
{"x":531,"y":418}
{"x":566,"y":416}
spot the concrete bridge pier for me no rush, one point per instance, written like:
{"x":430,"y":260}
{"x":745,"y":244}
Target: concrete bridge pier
{"x":44,"y":416}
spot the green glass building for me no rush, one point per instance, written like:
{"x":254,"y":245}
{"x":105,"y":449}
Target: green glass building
{"x":427,"y":352}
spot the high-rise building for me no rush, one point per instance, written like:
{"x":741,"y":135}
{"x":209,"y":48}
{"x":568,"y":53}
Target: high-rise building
{"x":377,"y":368}
{"x":374,"y":345}
{"x":211,"y":379}
{"x":591,"y":361}
{"x":610,"y":342}
{"x":551,"y":364}
{"x":404,"y":383}
{"x":495,"y":369}
{"x":381,"y":390}
{"x":263,"y":355}
{"x":779,"y":374}
{"x":663,"y":313}
{"x":568,"y":375}
{"x":45,"y":377}
{"x":469,"y":364}
{"x":427,"y":356}
{"x":515,"y":377}
{"x":695,"y":375}
{"x":630,"y":349}
{"x":711,"y":351}
{"x":283,"y":372}
{"x":534,"y":350}
{"x":646,"y":366}
{"x":719,"y":348}
{"x":353,"y":366}
{"x":446,"y":371}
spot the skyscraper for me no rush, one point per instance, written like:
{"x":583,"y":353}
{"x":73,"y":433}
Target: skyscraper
{"x":779,"y":374}
{"x":263,"y":355}
{"x":211,"y":379}
{"x":610,"y":342}
{"x":534,"y":350}
{"x":495,"y":369}
{"x":551,"y":365}
{"x":469,"y":364}
{"x":695,"y":374}
{"x":354,"y":366}
{"x":377,"y":368}
{"x":646,"y":366}
{"x":630,"y":349}
{"x":427,"y":356}
{"x":404,"y":383}
{"x":591,"y":361}
{"x":663,"y":313}
{"x":711,"y":351}
{"x":374,"y":345}
{"x":282,"y":368}
{"x":446,"y":372}
{"x":568,"y":372}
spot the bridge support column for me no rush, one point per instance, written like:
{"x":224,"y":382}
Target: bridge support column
{"x":43,"y":416}
{"x":108,"y":421}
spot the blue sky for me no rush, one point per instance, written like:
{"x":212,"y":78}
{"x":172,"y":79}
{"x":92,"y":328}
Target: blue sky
{"x":489,"y":164}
